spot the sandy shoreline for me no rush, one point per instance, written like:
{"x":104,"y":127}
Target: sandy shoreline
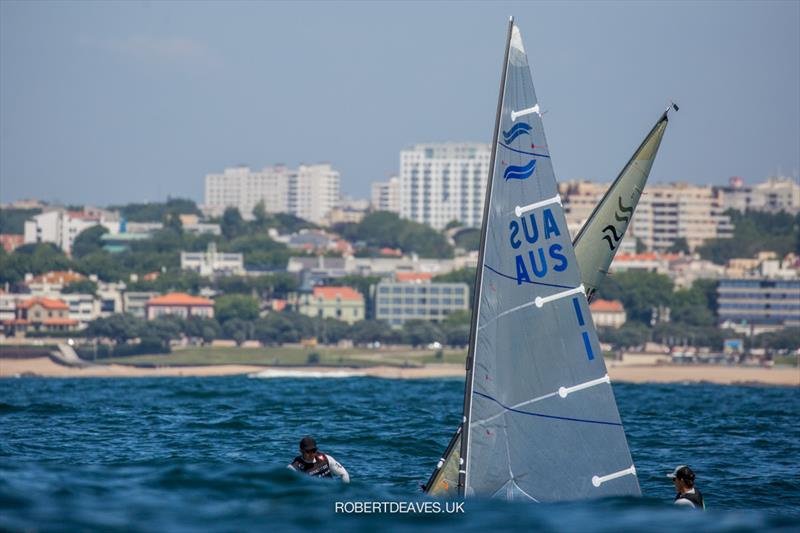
{"x":727,"y":375}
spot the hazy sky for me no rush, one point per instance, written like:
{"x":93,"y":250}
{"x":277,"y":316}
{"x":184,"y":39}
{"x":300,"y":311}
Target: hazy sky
{"x":128,"y":101}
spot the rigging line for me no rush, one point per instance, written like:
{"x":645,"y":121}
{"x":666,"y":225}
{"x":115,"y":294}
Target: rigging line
{"x":523,"y":151}
{"x":567,"y":418}
{"x":531,"y":282}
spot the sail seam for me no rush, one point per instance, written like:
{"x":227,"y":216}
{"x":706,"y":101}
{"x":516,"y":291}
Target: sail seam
{"x":517,"y":406}
{"x":542,"y":415}
{"x":524,"y":281}
{"x":522,"y":151}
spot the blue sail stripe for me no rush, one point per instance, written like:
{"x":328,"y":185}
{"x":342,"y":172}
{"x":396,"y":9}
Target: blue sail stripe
{"x":567,"y":418}
{"x":531,"y":282}
{"x":588,"y":344}
{"x":578,"y":312}
{"x":522,"y":151}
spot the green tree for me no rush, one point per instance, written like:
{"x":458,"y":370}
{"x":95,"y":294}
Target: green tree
{"x":88,"y":241}
{"x":83,"y":286}
{"x":639,"y":292}
{"x":383,"y":229}
{"x":679,"y":245}
{"x":784,"y":340}
{"x":260,"y":214}
{"x":204,"y":328}
{"x":120,"y":327}
{"x":469,"y":239}
{"x":13,"y":220}
{"x":238,"y":330}
{"x":230,"y":306}
{"x":463,"y":275}
{"x":630,"y":335}
{"x":421,"y":332}
{"x":367,"y":331}
{"x":102,"y":264}
{"x":232,"y":223}
{"x":755,"y":231}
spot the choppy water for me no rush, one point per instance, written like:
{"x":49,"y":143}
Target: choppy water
{"x":191,"y":454}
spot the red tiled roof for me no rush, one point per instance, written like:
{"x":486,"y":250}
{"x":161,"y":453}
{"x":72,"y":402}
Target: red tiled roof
{"x":63,"y":277}
{"x":331,"y":293}
{"x":606,"y":306}
{"x":47,"y":303}
{"x":413,"y":276}
{"x":179,"y":298}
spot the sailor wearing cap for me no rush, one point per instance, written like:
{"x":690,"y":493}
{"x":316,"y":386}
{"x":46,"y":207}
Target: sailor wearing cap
{"x":687,"y":495}
{"x":317,"y":464}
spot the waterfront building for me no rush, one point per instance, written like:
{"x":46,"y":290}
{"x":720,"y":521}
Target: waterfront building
{"x":754,"y":305}
{"x":420,"y":299}
{"x":179,"y":304}
{"x":40,"y":315}
{"x":440,"y":183}
{"x":309,"y":192}
{"x":607,"y":313}
{"x":342,"y":303}
{"x":386,"y":195}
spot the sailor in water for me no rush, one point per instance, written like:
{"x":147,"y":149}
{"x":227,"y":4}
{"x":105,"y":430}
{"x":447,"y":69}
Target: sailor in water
{"x":687,"y":495}
{"x":316,"y":464}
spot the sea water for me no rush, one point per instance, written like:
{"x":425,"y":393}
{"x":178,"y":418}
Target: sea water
{"x":189,"y":454}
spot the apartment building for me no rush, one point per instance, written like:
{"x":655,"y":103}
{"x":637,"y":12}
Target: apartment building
{"x":752,"y":306}
{"x":666,"y":213}
{"x":309,"y":191}
{"x":398,"y":301}
{"x":444,"y":182}
{"x":386,"y":195}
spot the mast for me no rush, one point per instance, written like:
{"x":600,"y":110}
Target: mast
{"x":476,"y":297}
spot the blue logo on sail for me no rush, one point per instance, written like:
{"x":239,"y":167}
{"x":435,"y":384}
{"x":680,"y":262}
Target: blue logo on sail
{"x":517,"y":130}
{"x":520,"y":173}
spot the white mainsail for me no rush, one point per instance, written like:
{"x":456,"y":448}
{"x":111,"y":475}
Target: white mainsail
{"x":540,"y":419}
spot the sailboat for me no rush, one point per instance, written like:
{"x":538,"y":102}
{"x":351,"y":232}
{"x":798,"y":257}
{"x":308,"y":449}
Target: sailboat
{"x":540,"y":421}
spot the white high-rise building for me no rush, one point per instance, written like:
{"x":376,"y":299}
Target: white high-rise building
{"x":444,"y":182}
{"x":386,"y":195}
{"x":61,"y":227}
{"x":309,"y":192}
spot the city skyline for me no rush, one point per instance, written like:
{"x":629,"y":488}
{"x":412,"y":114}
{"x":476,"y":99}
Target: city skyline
{"x":105,"y":104}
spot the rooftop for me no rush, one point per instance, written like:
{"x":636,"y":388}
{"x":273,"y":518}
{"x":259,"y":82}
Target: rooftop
{"x":342,"y":293}
{"x":606,"y":306}
{"x":179,"y":298}
{"x":47,"y":303}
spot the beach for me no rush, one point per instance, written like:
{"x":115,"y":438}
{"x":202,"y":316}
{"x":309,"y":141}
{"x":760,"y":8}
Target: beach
{"x":724,"y":375}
